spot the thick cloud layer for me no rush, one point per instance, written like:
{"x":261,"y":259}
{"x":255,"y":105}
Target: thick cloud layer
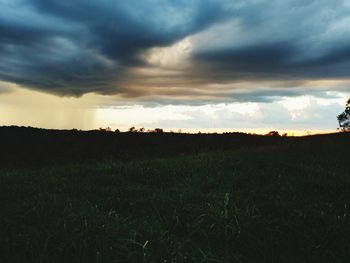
{"x":131,"y":48}
{"x":281,"y":40}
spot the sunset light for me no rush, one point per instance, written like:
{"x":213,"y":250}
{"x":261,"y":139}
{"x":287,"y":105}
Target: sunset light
{"x":174,"y":131}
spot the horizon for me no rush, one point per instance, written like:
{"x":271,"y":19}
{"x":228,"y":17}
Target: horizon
{"x":185,"y":131}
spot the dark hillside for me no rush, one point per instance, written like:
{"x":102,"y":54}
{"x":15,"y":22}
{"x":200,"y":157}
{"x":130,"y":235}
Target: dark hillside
{"x":287,"y":201}
{"x":23,"y":146}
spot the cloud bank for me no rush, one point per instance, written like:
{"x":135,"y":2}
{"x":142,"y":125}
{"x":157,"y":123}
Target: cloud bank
{"x":177,"y":52}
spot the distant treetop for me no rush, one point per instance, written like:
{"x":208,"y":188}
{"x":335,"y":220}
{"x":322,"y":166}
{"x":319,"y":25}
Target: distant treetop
{"x":273,"y":133}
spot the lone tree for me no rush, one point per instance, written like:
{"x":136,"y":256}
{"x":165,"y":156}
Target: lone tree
{"x":344,"y":118}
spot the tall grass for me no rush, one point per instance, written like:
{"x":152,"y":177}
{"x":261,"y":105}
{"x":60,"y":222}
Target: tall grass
{"x":286,"y":203}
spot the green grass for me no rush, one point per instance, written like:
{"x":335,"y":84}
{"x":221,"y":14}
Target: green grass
{"x":287,"y":203}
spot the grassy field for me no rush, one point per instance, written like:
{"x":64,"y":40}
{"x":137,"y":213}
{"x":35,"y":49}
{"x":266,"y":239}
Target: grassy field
{"x":279,"y":203}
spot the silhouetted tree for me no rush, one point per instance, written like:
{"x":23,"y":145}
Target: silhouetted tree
{"x":344,"y":118}
{"x":132,"y":129}
{"x":156,"y":130}
{"x":273,"y":133}
{"x":108,"y":129}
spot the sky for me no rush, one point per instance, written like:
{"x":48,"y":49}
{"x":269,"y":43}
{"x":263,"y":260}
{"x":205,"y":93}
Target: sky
{"x":194,"y":65}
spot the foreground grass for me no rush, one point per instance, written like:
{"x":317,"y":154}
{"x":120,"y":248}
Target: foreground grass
{"x":287,"y":203}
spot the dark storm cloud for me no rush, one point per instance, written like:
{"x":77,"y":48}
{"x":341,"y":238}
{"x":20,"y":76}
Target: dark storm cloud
{"x":274,"y":61}
{"x":82,"y":46}
{"x":76,"y":47}
{"x":260,"y":59}
{"x":282,"y":40}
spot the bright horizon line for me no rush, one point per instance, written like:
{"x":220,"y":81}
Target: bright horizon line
{"x":296,"y":133}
